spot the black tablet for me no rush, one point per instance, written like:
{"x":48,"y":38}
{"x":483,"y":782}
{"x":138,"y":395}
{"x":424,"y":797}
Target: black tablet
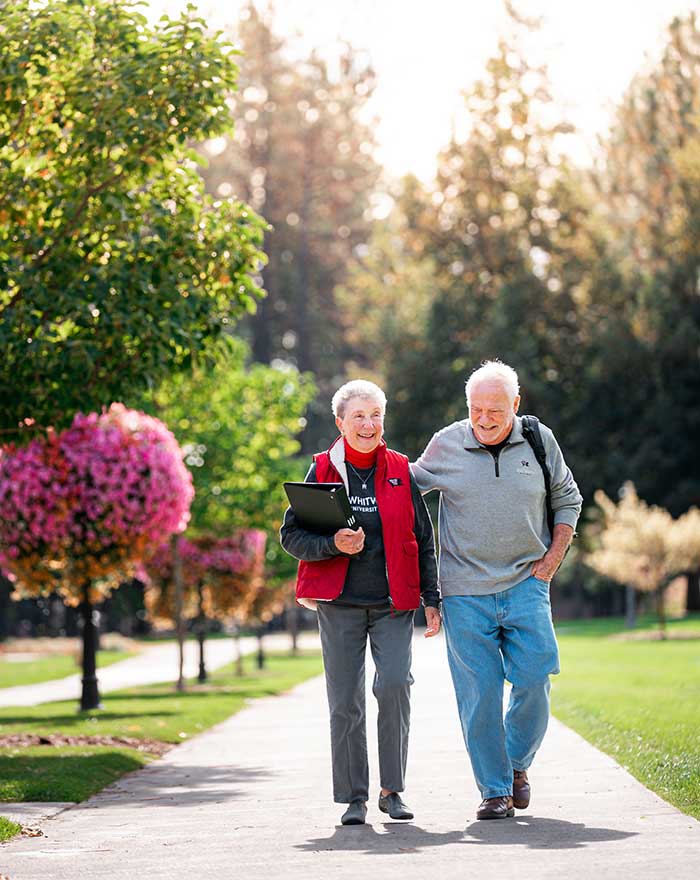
{"x":321,"y":507}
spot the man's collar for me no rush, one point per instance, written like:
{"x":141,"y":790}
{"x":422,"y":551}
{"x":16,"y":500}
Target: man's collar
{"x":516,"y":435}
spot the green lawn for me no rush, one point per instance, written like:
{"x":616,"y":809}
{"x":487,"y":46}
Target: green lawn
{"x":647,"y":626}
{"x":51,"y":773}
{"x":38,"y":773}
{"x":49,"y":668}
{"x":637,"y":700}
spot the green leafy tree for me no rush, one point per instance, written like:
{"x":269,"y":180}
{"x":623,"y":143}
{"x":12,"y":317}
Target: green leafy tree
{"x":649,"y":191}
{"x":238,"y":425}
{"x":115,"y":267}
{"x":637,"y":416}
{"x":302,"y":155}
{"x":386,"y":299}
{"x":487,"y":245}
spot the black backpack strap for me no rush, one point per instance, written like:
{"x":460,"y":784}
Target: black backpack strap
{"x":533,"y":435}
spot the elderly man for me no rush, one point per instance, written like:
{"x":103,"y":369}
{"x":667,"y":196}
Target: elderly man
{"x":497,"y":558}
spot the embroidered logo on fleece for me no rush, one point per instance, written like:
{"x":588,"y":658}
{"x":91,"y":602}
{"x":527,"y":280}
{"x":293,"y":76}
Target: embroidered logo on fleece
{"x":525,"y":468}
{"x":395,"y":481}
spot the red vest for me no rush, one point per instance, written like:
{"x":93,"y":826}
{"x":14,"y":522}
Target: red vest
{"x":392,"y":485}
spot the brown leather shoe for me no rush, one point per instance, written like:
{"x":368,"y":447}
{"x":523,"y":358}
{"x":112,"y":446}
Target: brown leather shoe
{"x":496,"y":808}
{"x":521,"y":790}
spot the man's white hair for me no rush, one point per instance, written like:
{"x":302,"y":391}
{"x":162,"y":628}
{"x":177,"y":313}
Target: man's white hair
{"x":497,"y":371}
{"x":357,"y":388}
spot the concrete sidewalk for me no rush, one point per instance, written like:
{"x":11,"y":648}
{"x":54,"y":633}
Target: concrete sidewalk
{"x":155,"y":664}
{"x":252,"y":799}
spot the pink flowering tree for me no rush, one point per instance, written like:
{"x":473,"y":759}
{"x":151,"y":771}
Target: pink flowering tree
{"x":83,"y":507}
{"x":221,"y":578}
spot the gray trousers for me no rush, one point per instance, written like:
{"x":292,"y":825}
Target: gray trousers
{"x":344,"y":631}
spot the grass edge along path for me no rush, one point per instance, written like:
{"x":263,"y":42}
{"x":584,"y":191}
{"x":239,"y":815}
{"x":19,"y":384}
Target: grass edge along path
{"x":636,"y":700}
{"x":74,"y":773}
{"x":52,"y":668}
{"x":8,"y":828}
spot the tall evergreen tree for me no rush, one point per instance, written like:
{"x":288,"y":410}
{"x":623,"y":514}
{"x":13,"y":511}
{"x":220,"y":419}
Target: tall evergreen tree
{"x":650,"y":190}
{"x":491,"y":237}
{"x":302,"y":155}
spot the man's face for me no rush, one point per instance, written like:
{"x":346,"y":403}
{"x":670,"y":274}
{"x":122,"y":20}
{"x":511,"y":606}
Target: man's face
{"x":491,"y":412}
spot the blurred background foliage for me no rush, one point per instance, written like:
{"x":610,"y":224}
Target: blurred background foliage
{"x":585,"y":279}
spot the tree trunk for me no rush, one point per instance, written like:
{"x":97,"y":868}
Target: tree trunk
{"x":90,"y":697}
{"x":239,"y":654}
{"x":630,"y":607}
{"x":293,"y":626}
{"x":261,"y":650}
{"x":179,"y":622}
{"x":660,"y":611}
{"x":202,"y":676}
{"x":5,"y":590}
{"x":692,"y":602}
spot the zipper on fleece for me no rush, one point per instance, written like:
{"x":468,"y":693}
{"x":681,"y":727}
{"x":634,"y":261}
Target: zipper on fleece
{"x":495,"y":462}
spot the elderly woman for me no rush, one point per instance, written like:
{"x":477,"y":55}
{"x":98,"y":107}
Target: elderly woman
{"x":367,"y":584}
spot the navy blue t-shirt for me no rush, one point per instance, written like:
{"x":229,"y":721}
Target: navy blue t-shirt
{"x":366,"y":581}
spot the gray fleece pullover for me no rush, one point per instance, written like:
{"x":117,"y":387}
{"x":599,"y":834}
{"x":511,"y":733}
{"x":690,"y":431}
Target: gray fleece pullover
{"x":493,"y":512}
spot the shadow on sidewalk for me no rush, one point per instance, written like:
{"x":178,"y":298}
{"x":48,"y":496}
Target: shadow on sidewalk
{"x":533,"y":833}
{"x":162,"y":785}
{"x":392,"y":839}
{"x":537,"y":832}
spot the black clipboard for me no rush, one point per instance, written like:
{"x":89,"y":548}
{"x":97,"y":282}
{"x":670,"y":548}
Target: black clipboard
{"x":321,"y":507}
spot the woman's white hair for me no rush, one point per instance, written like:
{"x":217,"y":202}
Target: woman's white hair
{"x":495,"y":371}
{"x":357,"y":388}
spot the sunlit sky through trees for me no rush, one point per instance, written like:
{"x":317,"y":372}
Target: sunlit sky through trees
{"x":424,"y":54}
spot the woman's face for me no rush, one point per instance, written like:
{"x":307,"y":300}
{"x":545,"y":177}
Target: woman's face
{"x":362,"y":424}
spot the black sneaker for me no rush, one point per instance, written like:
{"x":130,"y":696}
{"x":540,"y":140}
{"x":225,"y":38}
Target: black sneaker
{"x":394,"y":806}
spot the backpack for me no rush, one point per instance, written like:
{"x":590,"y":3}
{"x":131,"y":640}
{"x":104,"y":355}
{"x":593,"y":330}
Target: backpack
{"x":531,"y":432}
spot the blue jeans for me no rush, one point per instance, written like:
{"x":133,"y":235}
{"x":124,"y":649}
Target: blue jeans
{"x":491,"y":639}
